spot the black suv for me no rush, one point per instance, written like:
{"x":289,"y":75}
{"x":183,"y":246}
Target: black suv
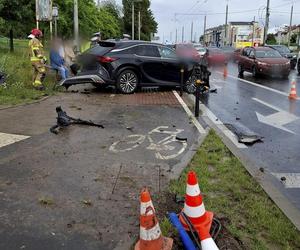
{"x":285,"y":52}
{"x":132,"y":64}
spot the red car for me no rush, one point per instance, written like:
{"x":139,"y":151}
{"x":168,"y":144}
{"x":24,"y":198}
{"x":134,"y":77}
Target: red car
{"x":216,"y":56}
{"x":263,"y":61}
{"x":187,"y":50}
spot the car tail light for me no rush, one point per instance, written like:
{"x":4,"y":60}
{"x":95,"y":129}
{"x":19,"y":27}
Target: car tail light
{"x":106,"y":59}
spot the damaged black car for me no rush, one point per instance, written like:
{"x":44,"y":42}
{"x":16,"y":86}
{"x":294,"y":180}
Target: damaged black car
{"x":129,"y":65}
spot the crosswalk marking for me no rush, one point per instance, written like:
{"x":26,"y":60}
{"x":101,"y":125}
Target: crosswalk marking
{"x":289,"y":180}
{"x":7,"y":139}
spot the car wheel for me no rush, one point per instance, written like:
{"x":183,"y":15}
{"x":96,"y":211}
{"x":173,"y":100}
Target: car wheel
{"x":241,"y":70}
{"x":127,"y":82}
{"x":254,"y":72}
{"x":190,"y":85}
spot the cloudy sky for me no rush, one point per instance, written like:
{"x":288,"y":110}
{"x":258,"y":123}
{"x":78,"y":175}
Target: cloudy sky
{"x":239,"y":10}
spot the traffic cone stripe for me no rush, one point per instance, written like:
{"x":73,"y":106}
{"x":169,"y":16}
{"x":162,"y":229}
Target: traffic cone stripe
{"x":209,"y":244}
{"x":145,"y":206}
{"x":194,"y":212}
{"x":193,"y":201}
{"x":192,"y":190}
{"x":150,"y":234}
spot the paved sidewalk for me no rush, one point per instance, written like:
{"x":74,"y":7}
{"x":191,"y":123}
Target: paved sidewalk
{"x":79,"y":189}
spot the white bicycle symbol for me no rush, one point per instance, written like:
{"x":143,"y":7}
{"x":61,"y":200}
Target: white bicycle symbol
{"x":162,"y":147}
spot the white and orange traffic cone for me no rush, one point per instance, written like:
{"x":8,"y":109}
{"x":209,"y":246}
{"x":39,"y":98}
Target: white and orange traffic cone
{"x":150,"y":234}
{"x":207,"y":242}
{"x":225,"y":71}
{"x":194,"y":207}
{"x":293,"y":93}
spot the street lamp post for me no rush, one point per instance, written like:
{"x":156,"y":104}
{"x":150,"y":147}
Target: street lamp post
{"x":76,"y":25}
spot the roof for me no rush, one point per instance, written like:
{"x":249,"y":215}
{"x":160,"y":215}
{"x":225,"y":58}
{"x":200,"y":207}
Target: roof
{"x":241,"y":23}
{"x":127,"y":43}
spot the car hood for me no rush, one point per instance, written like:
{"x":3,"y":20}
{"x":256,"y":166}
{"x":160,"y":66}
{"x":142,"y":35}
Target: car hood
{"x":273,"y":60}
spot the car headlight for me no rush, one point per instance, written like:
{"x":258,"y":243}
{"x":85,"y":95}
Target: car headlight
{"x":287,"y":63}
{"x":294,"y":56}
{"x":262,"y":63}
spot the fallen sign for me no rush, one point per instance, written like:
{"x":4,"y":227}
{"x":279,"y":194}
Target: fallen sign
{"x":63,"y":120}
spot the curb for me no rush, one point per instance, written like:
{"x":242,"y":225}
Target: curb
{"x":264,"y":180}
{"x":25,"y":104}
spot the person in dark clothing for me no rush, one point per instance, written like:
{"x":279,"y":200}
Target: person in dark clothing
{"x":57,"y":61}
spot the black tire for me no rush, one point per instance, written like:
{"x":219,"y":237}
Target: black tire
{"x":127,"y":81}
{"x":190,"y":85}
{"x":241,"y":70}
{"x":254,"y":72}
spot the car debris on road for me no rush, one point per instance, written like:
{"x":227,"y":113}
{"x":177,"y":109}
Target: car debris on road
{"x":63,"y":120}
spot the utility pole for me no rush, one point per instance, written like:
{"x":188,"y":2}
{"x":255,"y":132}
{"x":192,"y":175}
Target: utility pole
{"x":226,"y":24}
{"x":76,"y":25}
{"x":267,"y":22}
{"x":139,"y":25}
{"x":290,"y":28}
{"x":171,"y":36}
{"x":204,"y":30}
{"x":182,"y":40}
{"x":192,"y":31}
{"x":176,"y":36}
{"x":253,"y":30}
{"x":132,"y":32}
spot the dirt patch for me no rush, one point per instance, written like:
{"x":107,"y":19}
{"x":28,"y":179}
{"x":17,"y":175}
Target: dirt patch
{"x":167,"y":204}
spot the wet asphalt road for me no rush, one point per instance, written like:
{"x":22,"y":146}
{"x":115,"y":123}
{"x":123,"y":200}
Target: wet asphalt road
{"x":92,"y":187}
{"x":241,"y":104}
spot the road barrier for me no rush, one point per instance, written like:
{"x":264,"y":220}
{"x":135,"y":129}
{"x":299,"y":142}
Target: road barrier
{"x":150,"y":234}
{"x":293,"y":93}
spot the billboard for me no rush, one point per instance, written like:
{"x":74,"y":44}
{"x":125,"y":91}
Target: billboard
{"x":43,"y":10}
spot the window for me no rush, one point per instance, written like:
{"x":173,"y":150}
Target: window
{"x":251,"y":53}
{"x":166,"y":52}
{"x":267,"y":54}
{"x":147,"y":50}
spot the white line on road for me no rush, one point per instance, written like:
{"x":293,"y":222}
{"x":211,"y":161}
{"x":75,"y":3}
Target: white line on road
{"x":289,"y":180}
{"x":211,"y":116}
{"x":267,"y":104}
{"x":259,"y":85}
{"x":190,"y":114}
{"x":7,"y":139}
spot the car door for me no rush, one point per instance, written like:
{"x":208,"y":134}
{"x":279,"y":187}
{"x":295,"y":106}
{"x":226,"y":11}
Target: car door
{"x":170,"y":71}
{"x":250,"y":59}
{"x":246,"y":59}
{"x":149,"y":61}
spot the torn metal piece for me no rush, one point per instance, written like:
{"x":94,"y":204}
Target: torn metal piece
{"x":249,"y":139}
{"x":63,"y":120}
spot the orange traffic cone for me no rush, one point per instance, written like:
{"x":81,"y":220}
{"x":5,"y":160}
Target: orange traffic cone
{"x":293,"y":93}
{"x":225,"y":72}
{"x":207,"y":242}
{"x":150,"y":233}
{"x":194,"y":207}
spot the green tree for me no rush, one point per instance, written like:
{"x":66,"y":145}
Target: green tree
{"x":271,"y":39}
{"x":148,"y":23}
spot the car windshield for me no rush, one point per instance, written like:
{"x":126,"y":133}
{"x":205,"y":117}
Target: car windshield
{"x":267,"y":54}
{"x":282,"y":49}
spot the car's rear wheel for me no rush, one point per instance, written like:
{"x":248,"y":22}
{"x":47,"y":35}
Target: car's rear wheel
{"x":190,"y":85}
{"x":241,"y":70}
{"x":127,"y":82}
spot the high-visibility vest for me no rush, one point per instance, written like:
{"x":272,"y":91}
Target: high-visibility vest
{"x":85,"y":46}
{"x":36,"y":45}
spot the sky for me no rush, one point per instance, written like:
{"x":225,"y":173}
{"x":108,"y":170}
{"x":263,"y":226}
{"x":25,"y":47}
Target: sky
{"x":239,"y":10}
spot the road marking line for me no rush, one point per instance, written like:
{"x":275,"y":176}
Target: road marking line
{"x":268,"y":105}
{"x":229,"y":134}
{"x":291,"y":180}
{"x":189,"y":113}
{"x":7,"y":139}
{"x":258,"y":85}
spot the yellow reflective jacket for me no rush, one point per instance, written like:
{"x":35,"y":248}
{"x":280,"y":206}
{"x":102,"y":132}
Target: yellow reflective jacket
{"x":36,"y":51}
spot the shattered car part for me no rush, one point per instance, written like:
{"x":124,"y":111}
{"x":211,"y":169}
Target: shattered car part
{"x":63,"y":120}
{"x":244,"y":135}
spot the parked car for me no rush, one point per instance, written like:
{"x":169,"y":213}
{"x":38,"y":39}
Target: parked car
{"x":187,"y":50}
{"x":132,"y":64}
{"x":285,"y":52}
{"x":215,"y":56}
{"x":263,"y":61}
{"x":201,"y":50}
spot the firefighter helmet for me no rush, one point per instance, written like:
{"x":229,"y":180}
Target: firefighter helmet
{"x":36,"y":33}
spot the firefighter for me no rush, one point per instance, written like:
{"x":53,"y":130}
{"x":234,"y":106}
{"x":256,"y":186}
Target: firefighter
{"x":37,"y":59}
